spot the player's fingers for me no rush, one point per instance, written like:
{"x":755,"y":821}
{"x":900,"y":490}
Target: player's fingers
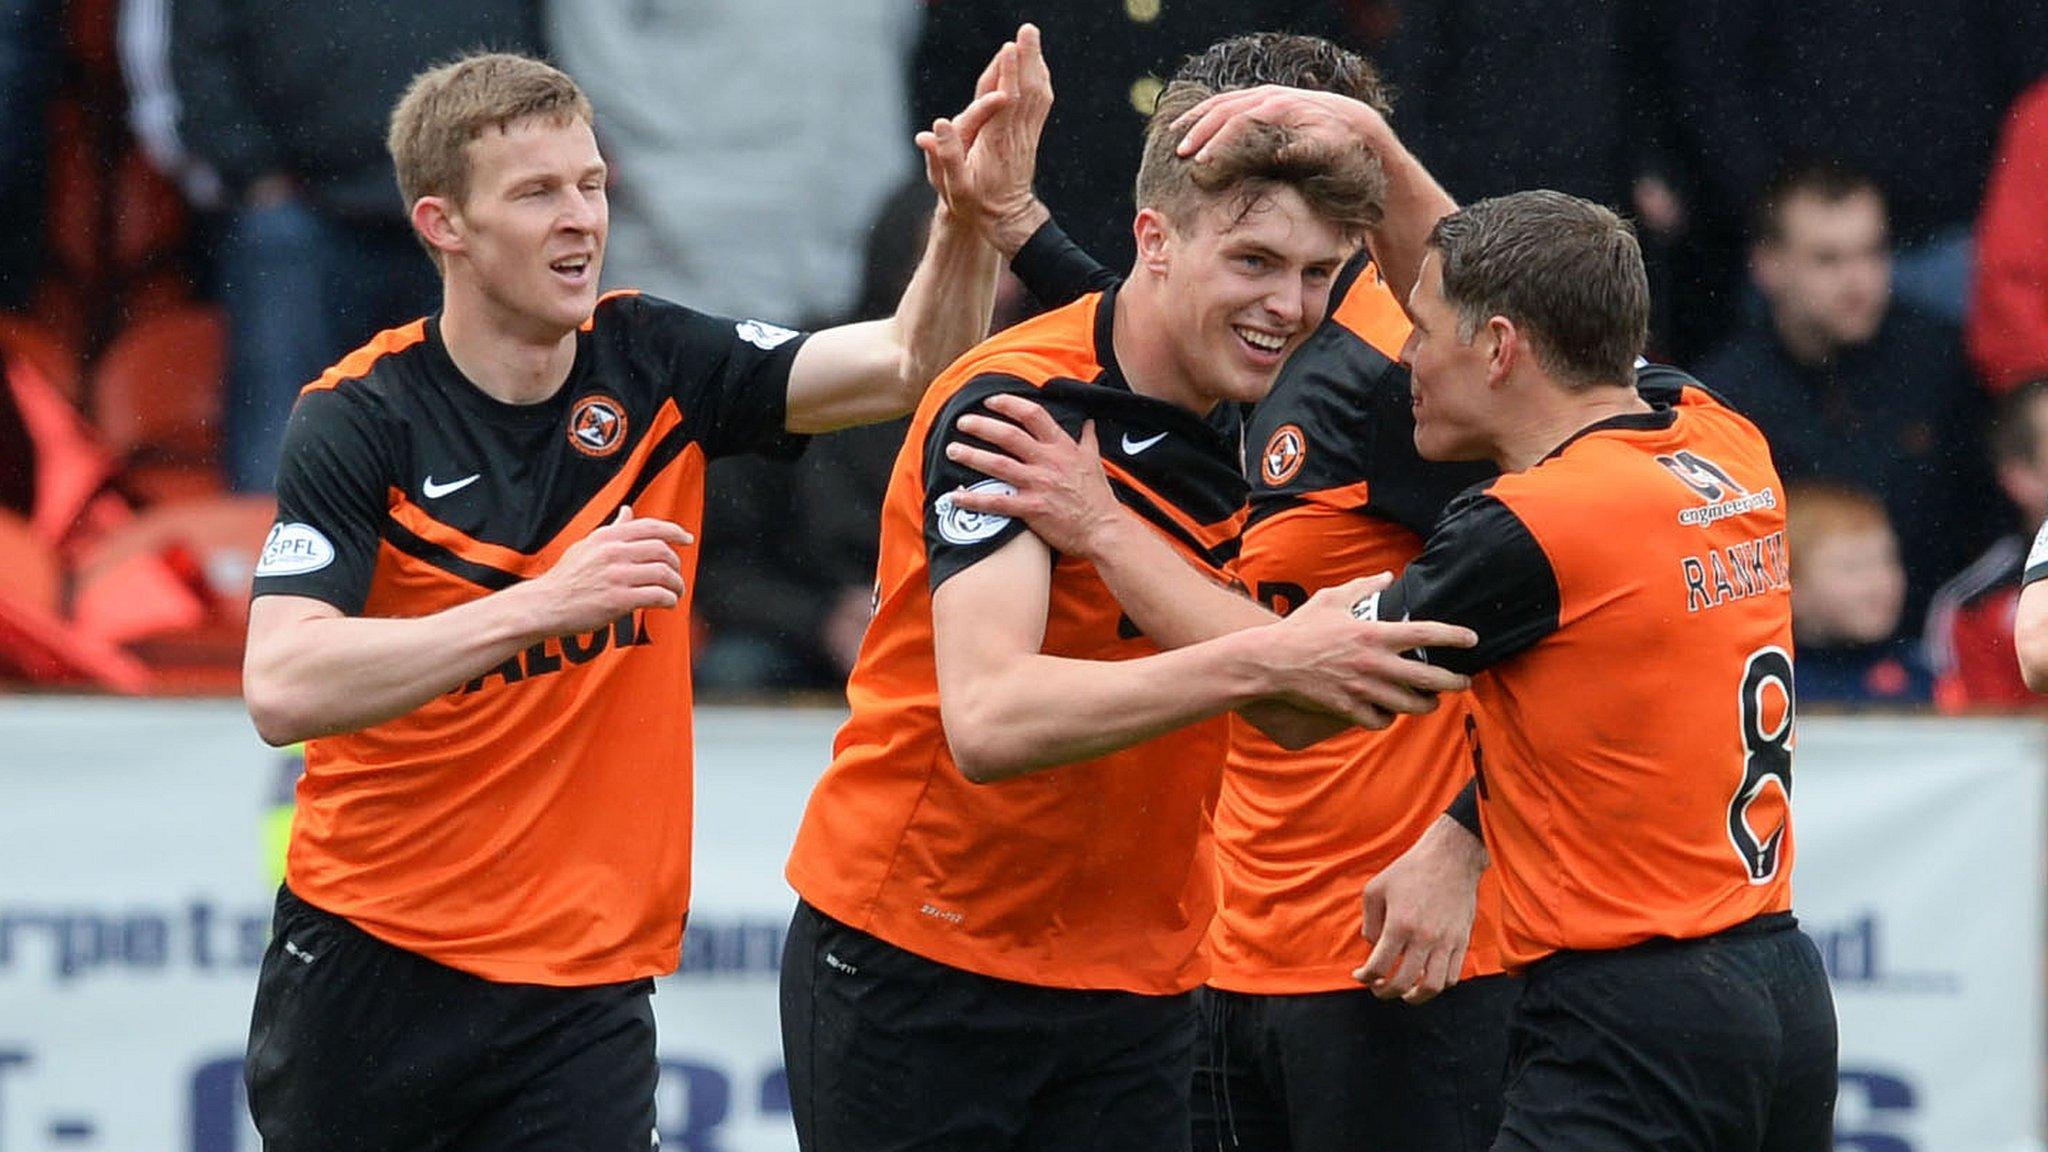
{"x":994,"y":465}
{"x":625,"y":514}
{"x":1033,"y":418}
{"x":986,"y":82}
{"x":1403,"y":675}
{"x":1381,"y":962}
{"x":652,"y":596}
{"x":976,"y":115}
{"x":1033,"y":77}
{"x":652,"y":528}
{"x":1430,"y":983}
{"x":1395,"y":697}
{"x":1091,"y":448}
{"x":1406,"y":634}
{"x":1404,"y":978}
{"x":1001,"y":436}
{"x":653,"y":576}
{"x":1374,"y":907}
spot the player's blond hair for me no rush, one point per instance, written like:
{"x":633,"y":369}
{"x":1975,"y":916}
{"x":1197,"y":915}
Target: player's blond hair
{"x":1343,"y":186}
{"x":445,"y":108}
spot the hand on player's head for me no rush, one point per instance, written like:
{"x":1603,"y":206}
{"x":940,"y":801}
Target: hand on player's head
{"x":1314,"y":121}
{"x":625,"y":566}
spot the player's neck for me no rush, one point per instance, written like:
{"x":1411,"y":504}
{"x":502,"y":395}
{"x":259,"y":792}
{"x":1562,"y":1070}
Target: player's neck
{"x":1137,"y":335}
{"x":508,"y":361}
{"x":1558,"y":416}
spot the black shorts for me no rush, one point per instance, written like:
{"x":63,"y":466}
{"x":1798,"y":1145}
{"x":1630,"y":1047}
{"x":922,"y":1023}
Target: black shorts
{"x":1710,"y":1045}
{"x":889,"y":1050}
{"x":1347,"y":1071}
{"x":358,"y":1045}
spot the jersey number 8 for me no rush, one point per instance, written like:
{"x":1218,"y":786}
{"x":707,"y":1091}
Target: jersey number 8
{"x":1767,"y":706}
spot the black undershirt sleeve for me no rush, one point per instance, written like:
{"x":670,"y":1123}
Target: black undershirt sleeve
{"x":1058,"y":271}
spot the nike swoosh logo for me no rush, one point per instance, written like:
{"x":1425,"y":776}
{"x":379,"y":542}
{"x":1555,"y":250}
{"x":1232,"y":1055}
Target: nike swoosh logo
{"x":1133,"y":447}
{"x":433,"y":491}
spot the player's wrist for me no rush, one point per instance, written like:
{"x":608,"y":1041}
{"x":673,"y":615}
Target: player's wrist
{"x":1012,"y":226}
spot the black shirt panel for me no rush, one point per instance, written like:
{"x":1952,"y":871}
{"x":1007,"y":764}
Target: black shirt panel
{"x":1482,"y":568}
{"x":1179,"y":466}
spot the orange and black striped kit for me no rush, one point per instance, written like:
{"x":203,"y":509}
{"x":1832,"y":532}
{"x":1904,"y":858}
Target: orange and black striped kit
{"x":1096,"y":874}
{"x":532,"y":825}
{"x":1632,"y":686}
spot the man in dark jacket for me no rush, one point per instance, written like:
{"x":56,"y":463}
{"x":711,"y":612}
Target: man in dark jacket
{"x":287,"y":100}
{"x":1850,"y":384}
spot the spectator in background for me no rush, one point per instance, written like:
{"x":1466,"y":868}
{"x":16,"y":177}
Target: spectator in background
{"x":1970,"y":624}
{"x":2008,"y":327}
{"x":144,"y":40}
{"x":742,"y":187}
{"x":1848,"y":591}
{"x":1848,"y":383}
{"x":1907,"y":91}
{"x":286,"y":100}
{"x":1112,"y":59}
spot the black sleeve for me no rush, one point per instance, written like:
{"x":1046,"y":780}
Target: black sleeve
{"x":1483,"y":569}
{"x":218,"y":118}
{"x":730,"y":377}
{"x":956,"y":539}
{"x":1465,"y":808}
{"x":1058,"y":271}
{"x":331,"y":484}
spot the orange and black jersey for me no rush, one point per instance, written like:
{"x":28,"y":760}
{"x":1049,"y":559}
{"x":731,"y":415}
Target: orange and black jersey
{"x":1337,"y":491}
{"x":1632,"y":686}
{"x":532,"y":825}
{"x":1095,"y":874}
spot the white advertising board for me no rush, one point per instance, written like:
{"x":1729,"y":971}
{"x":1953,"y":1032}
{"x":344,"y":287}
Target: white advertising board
{"x":134,"y":903}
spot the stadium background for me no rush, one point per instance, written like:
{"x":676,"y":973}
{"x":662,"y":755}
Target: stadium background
{"x":171,"y":174}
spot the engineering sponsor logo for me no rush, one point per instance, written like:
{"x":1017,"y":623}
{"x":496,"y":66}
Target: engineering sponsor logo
{"x":763,"y":335}
{"x":959,"y":525}
{"x":597,"y":426}
{"x":1711,"y":513}
{"x":293,"y":550}
{"x":1285,"y":452}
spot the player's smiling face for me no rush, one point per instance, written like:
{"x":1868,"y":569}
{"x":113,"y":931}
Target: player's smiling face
{"x":535,"y":220}
{"x":1244,"y":291}
{"x":1447,"y":375}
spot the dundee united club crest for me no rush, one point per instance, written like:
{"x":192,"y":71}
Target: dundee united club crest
{"x":597,"y":426}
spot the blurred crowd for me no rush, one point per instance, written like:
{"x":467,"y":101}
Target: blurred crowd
{"x":1844,"y":204}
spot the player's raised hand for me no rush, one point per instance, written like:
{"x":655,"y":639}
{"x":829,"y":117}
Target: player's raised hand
{"x":983,"y":173}
{"x":626,"y":565}
{"x":1061,"y":492}
{"x":1325,"y":657}
{"x":1418,"y":915}
{"x":1313,"y":121}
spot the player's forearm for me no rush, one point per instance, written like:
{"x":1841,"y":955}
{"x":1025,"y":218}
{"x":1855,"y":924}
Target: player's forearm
{"x":1043,"y":711}
{"x":945,"y":310}
{"x":1164,"y":595}
{"x":1415,"y":202}
{"x":330,"y":674}
{"x":1176,"y":606}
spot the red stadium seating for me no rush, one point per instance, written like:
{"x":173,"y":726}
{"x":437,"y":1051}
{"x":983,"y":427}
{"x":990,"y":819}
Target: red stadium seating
{"x":157,"y":396}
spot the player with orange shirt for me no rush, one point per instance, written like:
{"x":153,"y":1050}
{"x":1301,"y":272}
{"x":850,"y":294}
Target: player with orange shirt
{"x":474,"y":610}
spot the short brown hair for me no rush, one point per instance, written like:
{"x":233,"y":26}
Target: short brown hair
{"x":1343,"y":186}
{"x":445,"y":108}
{"x":1818,"y":509}
{"x":1828,"y":180}
{"x":1566,"y":271}
{"x":1292,"y":61}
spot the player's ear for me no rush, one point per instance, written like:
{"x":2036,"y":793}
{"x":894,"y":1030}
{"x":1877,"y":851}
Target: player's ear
{"x":1154,"y":234}
{"x":1503,"y":344}
{"x":438,"y":223}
